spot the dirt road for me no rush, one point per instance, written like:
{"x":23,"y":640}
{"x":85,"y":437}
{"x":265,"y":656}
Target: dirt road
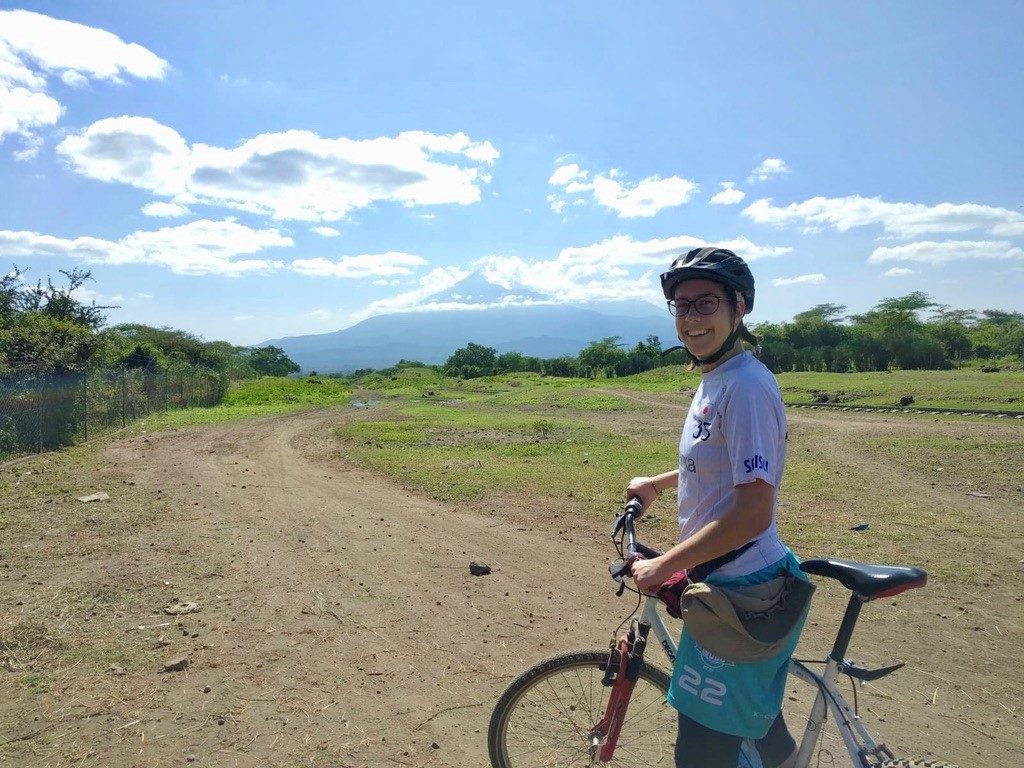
{"x":339,"y":622}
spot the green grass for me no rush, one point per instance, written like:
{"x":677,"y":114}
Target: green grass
{"x":468,"y":449}
{"x":930,"y":389}
{"x":257,"y":397}
{"x":671,"y":378}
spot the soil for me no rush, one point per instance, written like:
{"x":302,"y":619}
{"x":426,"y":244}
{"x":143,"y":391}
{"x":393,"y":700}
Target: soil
{"x":339,"y":624}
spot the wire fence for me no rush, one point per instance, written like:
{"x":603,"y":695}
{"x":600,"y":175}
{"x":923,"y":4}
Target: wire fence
{"x":42,"y":411}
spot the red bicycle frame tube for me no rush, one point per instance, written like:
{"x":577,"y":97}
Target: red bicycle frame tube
{"x":618,"y":702}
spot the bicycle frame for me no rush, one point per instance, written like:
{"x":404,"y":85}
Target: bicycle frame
{"x":858,"y":741}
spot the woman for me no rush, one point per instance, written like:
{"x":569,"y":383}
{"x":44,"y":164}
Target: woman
{"x":731,"y":456}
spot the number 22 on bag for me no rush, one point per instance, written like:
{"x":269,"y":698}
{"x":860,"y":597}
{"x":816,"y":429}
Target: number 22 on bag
{"x":709,"y":690}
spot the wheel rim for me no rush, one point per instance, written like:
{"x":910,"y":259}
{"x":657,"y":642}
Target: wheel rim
{"x":550,"y":724}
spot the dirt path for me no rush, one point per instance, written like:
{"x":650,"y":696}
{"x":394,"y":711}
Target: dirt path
{"x":340,"y":625}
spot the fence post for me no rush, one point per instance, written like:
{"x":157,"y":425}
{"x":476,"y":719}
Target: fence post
{"x":124,"y":398}
{"x":39,"y":412}
{"x":85,"y":400}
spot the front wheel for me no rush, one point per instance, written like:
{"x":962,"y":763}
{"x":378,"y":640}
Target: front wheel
{"x":915,"y":763}
{"x":547,"y":717}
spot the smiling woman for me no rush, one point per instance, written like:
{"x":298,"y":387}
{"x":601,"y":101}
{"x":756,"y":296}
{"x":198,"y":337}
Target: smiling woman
{"x":731,"y":456}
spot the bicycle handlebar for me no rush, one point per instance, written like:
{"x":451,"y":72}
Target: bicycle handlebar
{"x":631,"y":549}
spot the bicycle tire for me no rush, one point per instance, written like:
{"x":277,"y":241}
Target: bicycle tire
{"x":544,"y":717}
{"x":915,"y":763}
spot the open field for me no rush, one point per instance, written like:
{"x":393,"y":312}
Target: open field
{"x":338,"y":624}
{"x":1003,"y":390}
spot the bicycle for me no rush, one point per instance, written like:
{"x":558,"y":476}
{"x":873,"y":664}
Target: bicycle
{"x":608,"y":707}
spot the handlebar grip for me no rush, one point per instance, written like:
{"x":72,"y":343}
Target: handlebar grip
{"x":634,"y":506}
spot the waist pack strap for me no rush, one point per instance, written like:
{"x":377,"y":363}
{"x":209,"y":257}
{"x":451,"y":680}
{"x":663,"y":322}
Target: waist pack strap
{"x":702,"y":571}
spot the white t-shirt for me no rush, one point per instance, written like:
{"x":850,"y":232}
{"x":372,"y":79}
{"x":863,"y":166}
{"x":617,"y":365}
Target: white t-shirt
{"x":735,"y":433}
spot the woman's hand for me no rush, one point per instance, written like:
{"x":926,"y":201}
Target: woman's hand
{"x":644,"y":489}
{"x":651,"y":574}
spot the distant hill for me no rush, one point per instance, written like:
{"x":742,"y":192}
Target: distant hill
{"x":430,"y":337}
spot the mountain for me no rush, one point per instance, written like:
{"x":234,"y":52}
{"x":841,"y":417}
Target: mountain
{"x":431,"y":337}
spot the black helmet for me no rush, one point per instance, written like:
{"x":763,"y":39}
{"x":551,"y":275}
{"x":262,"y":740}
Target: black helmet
{"x":718,"y":264}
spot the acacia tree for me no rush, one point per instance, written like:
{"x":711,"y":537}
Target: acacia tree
{"x":46,"y":329}
{"x":272,"y":361}
{"x":603,"y":355}
{"x":472,"y":361}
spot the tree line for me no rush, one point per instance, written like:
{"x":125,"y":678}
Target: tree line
{"x":894,"y":334}
{"x":46,"y":331}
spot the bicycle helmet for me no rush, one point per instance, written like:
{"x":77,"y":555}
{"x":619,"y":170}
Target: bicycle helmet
{"x":718,"y":264}
{"x":724,"y":267}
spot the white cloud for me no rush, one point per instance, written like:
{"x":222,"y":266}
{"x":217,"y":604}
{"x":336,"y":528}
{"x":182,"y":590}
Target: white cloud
{"x":243,"y":318}
{"x":132,"y":150}
{"x":320,"y":314}
{"x":566,"y":173}
{"x":198,"y":248}
{"x":613,"y":269}
{"x":365,"y":265}
{"x":928,"y":252}
{"x":642,"y":199}
{"x":815,"y":279}
{"x":901,"y":219}
{"x":291,"y":175}
{"x":898,"y":272}
{"x":87,"y":295}
{"x":167,"y":210}
{"x":325,"y":231}
{"x":31,"y":143}
{"x":773,"y":166}
{"x":435,"y":281}
{"x":728,"y":195}
{"x":34,"y":47}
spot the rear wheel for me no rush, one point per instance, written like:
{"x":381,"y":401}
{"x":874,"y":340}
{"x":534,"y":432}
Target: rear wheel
{"x":546,"y":717}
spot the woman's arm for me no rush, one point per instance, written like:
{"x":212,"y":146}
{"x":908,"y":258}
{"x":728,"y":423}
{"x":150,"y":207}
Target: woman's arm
{"x":749,"y":516}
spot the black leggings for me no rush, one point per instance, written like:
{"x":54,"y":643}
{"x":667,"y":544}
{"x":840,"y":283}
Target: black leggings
{"x":700,"y":747}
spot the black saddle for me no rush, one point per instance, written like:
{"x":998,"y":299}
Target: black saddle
{"x":868,"y":581}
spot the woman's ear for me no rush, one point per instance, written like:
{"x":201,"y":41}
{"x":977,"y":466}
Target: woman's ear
{"x":741,"y":305}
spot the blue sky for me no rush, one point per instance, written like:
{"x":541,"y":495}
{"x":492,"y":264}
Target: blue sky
{"x":244,"y":172}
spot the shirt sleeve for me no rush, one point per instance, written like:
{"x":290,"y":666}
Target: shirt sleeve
{"x":754,"y":433}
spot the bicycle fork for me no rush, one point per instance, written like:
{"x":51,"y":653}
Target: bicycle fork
{"x":620,"y":674}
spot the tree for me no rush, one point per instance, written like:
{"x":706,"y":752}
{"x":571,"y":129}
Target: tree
{"x":272,"y":361}
{"x":45,"y":328}
{"x":603,"y":355}
{"x":472,"y":361}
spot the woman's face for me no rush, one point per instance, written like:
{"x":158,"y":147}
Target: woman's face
{"x":704,"y":334}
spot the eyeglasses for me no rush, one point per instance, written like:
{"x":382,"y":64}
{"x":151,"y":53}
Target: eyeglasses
{"x":705,"y":305}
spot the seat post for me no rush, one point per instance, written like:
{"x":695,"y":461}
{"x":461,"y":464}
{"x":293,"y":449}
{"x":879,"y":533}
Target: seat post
{"x":846,"y":628}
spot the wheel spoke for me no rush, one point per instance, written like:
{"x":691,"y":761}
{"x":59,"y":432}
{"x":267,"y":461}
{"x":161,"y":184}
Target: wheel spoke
{"x":548,"y":720}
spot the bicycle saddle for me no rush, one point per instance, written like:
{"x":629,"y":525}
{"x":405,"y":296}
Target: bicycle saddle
{"x":868,"y":581}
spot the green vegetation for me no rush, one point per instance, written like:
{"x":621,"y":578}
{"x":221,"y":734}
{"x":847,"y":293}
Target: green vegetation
{"x":571,"y":444}
{"x":459,"y":450}
{"x":1003,"y":390}
{"x":63,"y":376}
{"x":893,"y":335}
{"x":257,"y":397}
{"x":605,"y":357}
